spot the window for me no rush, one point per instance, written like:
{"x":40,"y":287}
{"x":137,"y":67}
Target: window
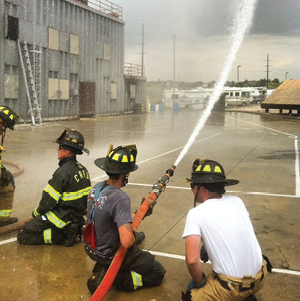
{"x":12,"y":28}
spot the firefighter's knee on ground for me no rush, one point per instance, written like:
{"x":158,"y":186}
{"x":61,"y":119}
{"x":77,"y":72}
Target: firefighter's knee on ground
{"x":95,"y":280}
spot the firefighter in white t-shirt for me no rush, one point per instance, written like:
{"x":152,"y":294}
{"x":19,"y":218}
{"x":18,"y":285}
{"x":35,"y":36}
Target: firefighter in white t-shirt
{"x":222,"y":224}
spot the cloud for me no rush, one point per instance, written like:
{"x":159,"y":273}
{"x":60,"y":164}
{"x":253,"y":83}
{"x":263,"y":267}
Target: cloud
{"x":202,"y":38}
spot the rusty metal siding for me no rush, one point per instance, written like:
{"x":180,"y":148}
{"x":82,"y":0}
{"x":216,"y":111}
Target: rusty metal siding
{"x":94,"y":30}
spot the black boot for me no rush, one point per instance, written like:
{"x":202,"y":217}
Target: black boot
{"x":94,"y":281}
{"x":9,"y":221}
{"x":71,"y":231}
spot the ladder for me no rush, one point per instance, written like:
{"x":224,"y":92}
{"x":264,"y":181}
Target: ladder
{"x":37,"y":58}
{"x":35,"y":81}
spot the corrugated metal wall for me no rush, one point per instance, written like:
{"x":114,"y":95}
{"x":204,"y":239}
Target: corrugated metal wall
{"x":61,"y":23}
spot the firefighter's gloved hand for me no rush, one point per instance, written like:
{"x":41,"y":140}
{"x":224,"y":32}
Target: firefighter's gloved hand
{"x":150,"y":209}
{"x":4,"y":177}
{"x":203,"y":254}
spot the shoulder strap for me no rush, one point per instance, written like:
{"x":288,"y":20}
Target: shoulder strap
{"x":99,"y":190}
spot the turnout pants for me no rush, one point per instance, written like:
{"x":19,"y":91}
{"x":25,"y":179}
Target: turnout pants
{"x":139,"y":269}
{"x":39,"y":231}
{"x":226,"y":288}
{"x":6,"y":198}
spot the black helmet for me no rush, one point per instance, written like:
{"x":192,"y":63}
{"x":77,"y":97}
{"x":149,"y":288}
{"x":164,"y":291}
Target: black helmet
{"x":8,"y":117}
{"x":119,"y":160}
{"x":72,"y":139}
{"x":206,"y":171}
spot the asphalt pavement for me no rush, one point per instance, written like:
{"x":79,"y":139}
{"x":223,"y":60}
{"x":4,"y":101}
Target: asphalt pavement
{"x":260,"y":150}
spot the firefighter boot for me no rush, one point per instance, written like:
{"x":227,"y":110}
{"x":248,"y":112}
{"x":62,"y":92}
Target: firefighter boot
{"x":94,"y":281}
{"x":9,"y":221}
{"x":71,"y":231}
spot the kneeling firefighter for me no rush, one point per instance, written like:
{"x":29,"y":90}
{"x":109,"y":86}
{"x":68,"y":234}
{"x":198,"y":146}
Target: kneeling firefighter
{"x":59,"y":217}
{"x":109,"y":210}
{"x":8,"y":119}
{"x":221,"y":223}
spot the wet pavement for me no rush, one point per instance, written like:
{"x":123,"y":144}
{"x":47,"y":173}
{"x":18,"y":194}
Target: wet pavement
{"x":260,"y":150}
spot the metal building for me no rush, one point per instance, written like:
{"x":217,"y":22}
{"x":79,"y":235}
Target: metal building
{"x":64,"y":59}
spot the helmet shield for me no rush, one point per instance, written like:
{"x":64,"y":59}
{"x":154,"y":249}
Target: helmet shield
{"x":119,"y":160}
{"x":8,"y":117}
{"x":206,"y":171}
{"x":72,"y":139}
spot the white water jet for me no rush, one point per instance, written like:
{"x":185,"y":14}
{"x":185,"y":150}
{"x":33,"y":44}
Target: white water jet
{"x":241,"y":23}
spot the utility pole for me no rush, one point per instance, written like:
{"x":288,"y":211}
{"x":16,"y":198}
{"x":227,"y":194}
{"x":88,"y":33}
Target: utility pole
{"x":173,"y":68}
{"x":267,"y":71}
{"x":173,"y":96}
{"x":143,"y":36}
{"x":237,"y":71}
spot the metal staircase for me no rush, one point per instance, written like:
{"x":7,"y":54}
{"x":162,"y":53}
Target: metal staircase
{"x":34,"y":81}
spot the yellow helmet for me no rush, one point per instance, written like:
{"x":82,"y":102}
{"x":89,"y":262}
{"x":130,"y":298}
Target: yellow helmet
{"x":8,"y":117}
{"x":119,"y":160}
{"x":205,"y":171}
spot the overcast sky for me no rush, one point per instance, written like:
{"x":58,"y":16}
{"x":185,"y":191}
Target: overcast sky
{"x":202,"y":39}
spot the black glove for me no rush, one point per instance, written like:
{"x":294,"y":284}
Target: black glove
{"x":4,"y":177}
{"x":150,"y":209}
{"x":203,"y":254}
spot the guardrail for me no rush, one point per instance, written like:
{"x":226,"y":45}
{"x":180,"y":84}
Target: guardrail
{"x":134,"y":69}
{"x":107,"y":7}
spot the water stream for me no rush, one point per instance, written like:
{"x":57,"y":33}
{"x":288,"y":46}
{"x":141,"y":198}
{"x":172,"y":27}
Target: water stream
{"x":241,"y":23}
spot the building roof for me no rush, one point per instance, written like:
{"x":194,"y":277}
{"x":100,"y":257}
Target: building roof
{"x":286,"y":96}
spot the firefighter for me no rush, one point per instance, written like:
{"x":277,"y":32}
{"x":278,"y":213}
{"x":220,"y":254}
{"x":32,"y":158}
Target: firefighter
{"x":223,"y":225}
{"x":110,"y":209}
{"x":59,"y":217}
{"x":8,"y":119}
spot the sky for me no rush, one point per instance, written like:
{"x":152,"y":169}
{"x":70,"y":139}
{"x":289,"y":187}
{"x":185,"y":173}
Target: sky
{"x":198,"y":32}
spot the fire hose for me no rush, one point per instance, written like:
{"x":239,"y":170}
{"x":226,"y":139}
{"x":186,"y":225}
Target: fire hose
{"x":116,"y":263}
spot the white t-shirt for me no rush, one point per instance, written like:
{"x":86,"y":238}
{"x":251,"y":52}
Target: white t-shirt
{"x":228,"y":236}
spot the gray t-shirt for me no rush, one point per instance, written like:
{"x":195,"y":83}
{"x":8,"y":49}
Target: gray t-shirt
{"x":112,"y":210}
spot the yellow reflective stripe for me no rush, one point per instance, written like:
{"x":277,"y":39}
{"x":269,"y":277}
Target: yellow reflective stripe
{"x":35,"y":212}
{"x":48,"y":236}
{"x":53,"y":193}
{"x":136,"y":279}
{"x":5,"y":213}
{"x":70,"y":196}
{"x":115,"y":157}
{"x":218,"y":169}
{"x":55,"y":220}
{"x":125,"y":159}
{"x":207,"y":168}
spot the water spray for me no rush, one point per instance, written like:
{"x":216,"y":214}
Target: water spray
{"x":242,"y":22}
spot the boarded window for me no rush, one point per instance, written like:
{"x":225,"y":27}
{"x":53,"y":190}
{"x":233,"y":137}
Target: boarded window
{"x":74,"y":44}
{"x":11,"y":86}
{"x":53,"y":39}
{"x":106,"y":55}
{"x":132,"y":91}
{"x":58,"y":89}
{"x":113,"y":90}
